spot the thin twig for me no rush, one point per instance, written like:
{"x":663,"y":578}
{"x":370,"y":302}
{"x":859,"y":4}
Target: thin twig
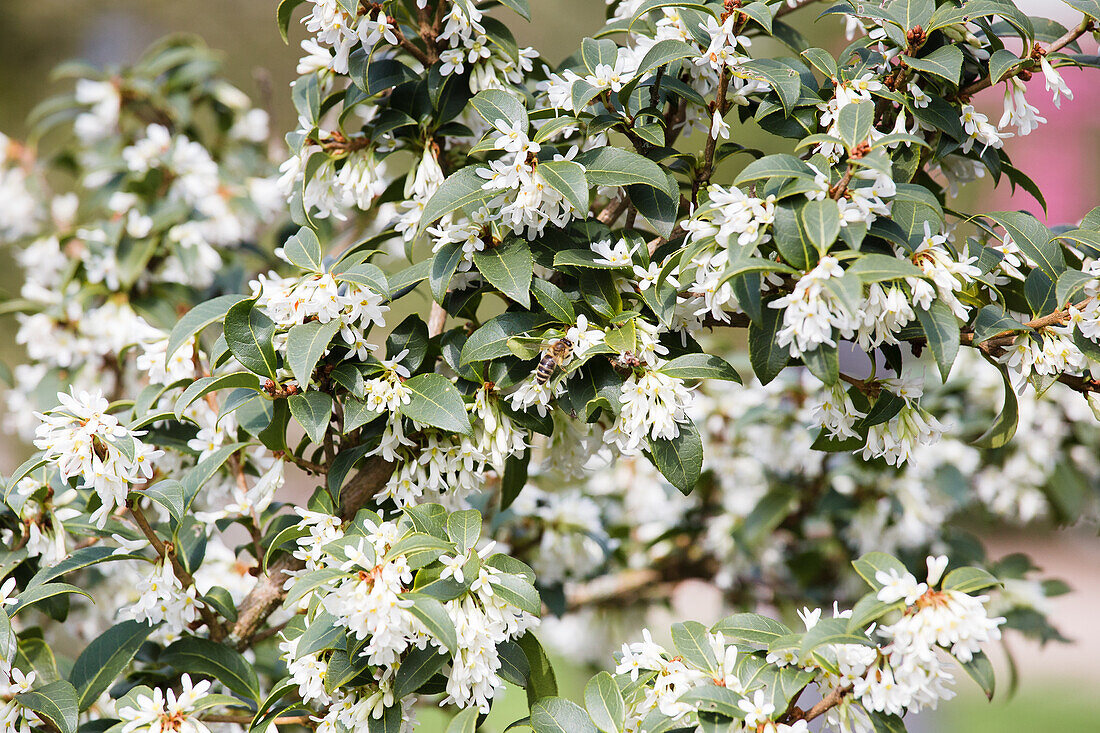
{"x":1086,"y":25}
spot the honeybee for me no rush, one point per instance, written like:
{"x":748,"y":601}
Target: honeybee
{"x":555,"y":356}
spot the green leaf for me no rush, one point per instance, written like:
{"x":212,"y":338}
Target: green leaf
{"x":464,"y":528}
{"x":969,"y":580}
{"x":820,"y":220}
{"x":436,"y":402}
{"x":605,"y":704}
{"x":690,"y":640}
{"x":1033,"y":239}
{"x":209,"y":658}
{"x":611,"y":166}
{"x":509,"y":269}
{"x":868,"y":609}
{"x":679,"y":460}
{"x":992,"y":320}
{"x":824,"y":363}
{"x":783,"y":78}
{"x":312,"y":410}
{"x":195,"y":320}
{"x":595,"y":52}
{"x":541,"y":681}
{"x":365,"y":275}
{"x":205,"y":385}
{"x":554,"y":301}
{"x":700,"y":366}
{"x":871,"y":563}
{"x":321,"y":634}
{"x":558,"y":715}
{"x":433,"y":615}
{"x":497,"y":104}
{"x":56,"y":702}
{"x":714,"y":699}
{"x":583,"y":258}
{"x":305,"y":344}
{"x":38,"y":593}
{"x":791,"y":238}
{"x":768,"y":359}
{"x":821,"y":60}
{"x":1004,"y":426}
{"x":665,"y":52}
{"x":491,"y":340}
{"x":283,"y":13}
{"x":310,"y":582}
{"x":1071,"y":283}
{"x":945,"y":62}
{"x":873,"y":268}
{"x":304,"y":250}
{"x":980,"y":670}
{"x":81,"y":558}
{"x":466,"y":720}
{"x":750,"y":630}
{"x":169,"y":493}
{"x":830,"y":631}
{"x":1001,"y":64}
{"x":524,"y":10}
{"x":942,"y":330}
{"x":854,"y":122}
{"x":195,"y":478}
{"x":568,"y":179}
{"x":445,"y":263}
{"x":460,"y":190}
{"x":250,"y":336}
{"x":375,"y":75}
{"x":517,"y":591}
{"x":949,"y":14}
{"x":774,"y":166}
{"x":419,"y":666}
{"x":103,"y":660}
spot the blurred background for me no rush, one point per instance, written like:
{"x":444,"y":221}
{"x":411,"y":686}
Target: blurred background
{"x":1062,"y":157}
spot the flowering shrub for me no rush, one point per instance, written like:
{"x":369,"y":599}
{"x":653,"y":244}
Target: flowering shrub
{"x":490,"y":330}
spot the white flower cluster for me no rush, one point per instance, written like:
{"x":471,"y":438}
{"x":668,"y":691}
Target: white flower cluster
{"x":369,"y":603}
{"x":910,"y":673}
{"x":293,"y":301}
{"x":85,"y":442}
{"x":163,"y":599}
{"x":527,"y":202}
{"x":811,"y":311}
{"x":160,"y":711}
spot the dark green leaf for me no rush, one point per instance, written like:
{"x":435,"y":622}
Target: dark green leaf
{"x":509,"y":269}
{"x":312,"y":410}
{"x":436,"y":402}
{"x":679,"y":460}
{"x":250,"y":336}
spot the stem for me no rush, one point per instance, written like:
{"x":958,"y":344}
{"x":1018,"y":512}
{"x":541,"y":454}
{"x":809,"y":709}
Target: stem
{"x":704,"y":173}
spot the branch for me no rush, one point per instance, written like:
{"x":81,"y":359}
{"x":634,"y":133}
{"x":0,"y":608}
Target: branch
{"x":1070,"y":36}
{"x":269,"y":592}
{"x":719,"y":107}
{"x":168,"y":552}
{"x":436,"y":320}
{"x":613,"y":210}
{"x":830,"y":701}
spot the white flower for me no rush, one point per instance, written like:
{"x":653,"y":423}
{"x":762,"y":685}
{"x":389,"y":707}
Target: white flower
{"x":1054,"y":81}
{"x":757,"y":711}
